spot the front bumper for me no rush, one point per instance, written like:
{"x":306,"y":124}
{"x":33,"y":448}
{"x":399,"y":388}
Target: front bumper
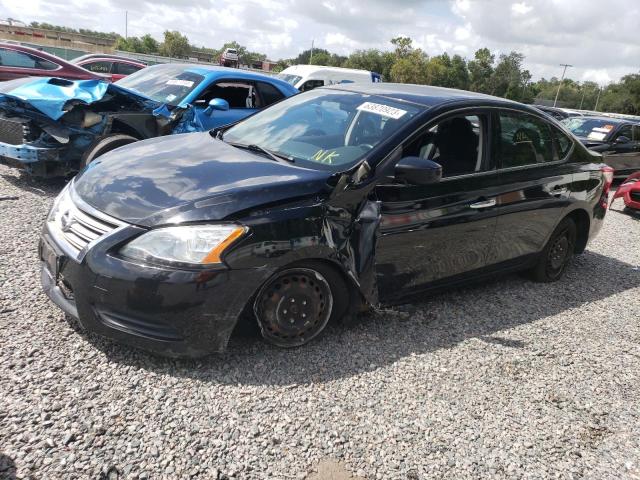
{"x":27,"y":154}
{"x":167,"y":311}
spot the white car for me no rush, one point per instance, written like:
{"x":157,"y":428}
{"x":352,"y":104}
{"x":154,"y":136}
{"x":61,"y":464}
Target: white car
{"x":308,"y":77}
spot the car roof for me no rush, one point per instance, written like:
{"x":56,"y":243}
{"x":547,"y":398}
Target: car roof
{"x":306,"y":69}
{"x":106,"y":56}
{"x":424,"y":95}
{"x":214,"y":71}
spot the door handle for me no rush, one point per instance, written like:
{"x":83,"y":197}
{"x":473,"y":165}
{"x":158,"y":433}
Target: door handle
{"x":484,"y":204}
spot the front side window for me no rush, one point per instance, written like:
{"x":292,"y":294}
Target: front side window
{"x":636,"y":133}
{"x":311,"y":84}
{"x":625,"y":131}
{"x":324,"y":129}
{"x":167,"y":83}
{"x":13,"y":58}
{"x":238,"y":94}
{"x":97,"y":67}
{"x":455,"y":143}
{"x":522,"y":140}
{"x":126,"y":68}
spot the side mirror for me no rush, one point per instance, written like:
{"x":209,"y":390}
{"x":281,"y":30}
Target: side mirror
{"x":418,"y":171}
{"x":217,"y":104}
{"x":622,"y":139}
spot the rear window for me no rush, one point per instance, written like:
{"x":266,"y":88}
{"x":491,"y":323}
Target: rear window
{"x":591,"y":128}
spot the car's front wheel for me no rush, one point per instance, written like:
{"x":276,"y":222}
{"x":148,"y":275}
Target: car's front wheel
{"x":104,"y":144}
{"x":557,"y":253}
{"x":296,"y":304}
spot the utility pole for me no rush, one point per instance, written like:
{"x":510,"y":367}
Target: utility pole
{"x":126,"y":24}
{"x":311,"y":56}
{"x":595,"y":109}
{"x":565,"y":65}
{"x":582,"y":100}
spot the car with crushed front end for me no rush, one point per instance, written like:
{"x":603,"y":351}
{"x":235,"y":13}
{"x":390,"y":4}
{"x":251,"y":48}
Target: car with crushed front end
{"x":54,"y":127}
{"x":327,"y":203}
{"x":617,"y":139}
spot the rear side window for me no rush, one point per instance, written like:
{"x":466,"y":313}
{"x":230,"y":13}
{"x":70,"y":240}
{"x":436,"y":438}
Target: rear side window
{"x":98,"y":67}
{"x":268,"y":93}
{"x":13,"y":58}
{"x":625,"y":131}
{"x":125,"y":68}
{"x":636,"y":133}
{"x":522,"y":140}
{"x":563,"y":143}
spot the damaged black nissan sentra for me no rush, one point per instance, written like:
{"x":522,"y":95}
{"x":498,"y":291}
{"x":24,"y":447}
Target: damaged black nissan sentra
{"x":326,"y":203}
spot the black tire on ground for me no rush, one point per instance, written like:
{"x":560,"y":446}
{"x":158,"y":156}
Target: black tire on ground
{"x":102,"y":145}
{"x":556,"y":254}
{"x":295,"y":305}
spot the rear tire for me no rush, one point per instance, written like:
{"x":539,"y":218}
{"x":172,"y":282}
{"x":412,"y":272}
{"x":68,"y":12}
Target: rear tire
{"x":556,"y":254}
{"x":102,"y":145}
{"x":295,"y":305}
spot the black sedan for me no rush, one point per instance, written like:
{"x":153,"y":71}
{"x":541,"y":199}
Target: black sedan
{"x":328,"y":202}
{"x":618,"y":141}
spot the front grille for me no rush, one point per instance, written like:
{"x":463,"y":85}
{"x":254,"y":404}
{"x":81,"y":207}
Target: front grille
{"x":11,"y":131}
{"x":79,"y":228}
{"x":74,"y":224}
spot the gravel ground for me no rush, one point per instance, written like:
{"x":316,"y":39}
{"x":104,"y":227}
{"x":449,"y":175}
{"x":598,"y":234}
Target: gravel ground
{"x":508,"y":379}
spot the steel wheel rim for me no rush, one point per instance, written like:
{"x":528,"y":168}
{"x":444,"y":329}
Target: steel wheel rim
{"x":294,"y":307}
{"x":559,"y":253}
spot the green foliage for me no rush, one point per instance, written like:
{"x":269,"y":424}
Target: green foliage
{"x":175,"y":45}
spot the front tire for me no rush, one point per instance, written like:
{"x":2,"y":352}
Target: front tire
{"x":295,"y":305}
{"x":557,"y":253}
{"x":105,"y":144}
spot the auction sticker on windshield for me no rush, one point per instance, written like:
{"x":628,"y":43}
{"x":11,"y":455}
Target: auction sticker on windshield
{"x":384,"y":110}
{"x":180,"y":83}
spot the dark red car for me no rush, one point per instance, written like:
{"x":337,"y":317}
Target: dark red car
{"x":114,"y":66}
{"x":17,"y":61}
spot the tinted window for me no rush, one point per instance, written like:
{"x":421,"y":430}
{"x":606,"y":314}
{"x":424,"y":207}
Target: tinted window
{"x":455,"y":143}
{"x":592,"y":128}
{"x":522,"y":140}
{"x":563,"y":143}
{"x":97,"y":67}
{"x":268,"y":93}
{"x":311,"y":84}
{"x":126,"y":68}
{"x":636,"y":133}
{"x":625,"y":131}
{"x":12,"y":58}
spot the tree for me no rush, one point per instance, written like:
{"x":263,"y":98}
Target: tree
{"x":404,"y":46}
{"x":481,"y":70}
{"x":372,"y":60}
{"x":149,"y":44}
{"x":175,"y":45}
{"x":410,"y":69}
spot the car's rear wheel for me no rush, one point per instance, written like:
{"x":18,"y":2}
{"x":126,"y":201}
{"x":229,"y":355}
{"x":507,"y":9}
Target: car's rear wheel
{"x":557,"y":253}
{"x":296,"y":304}
{"x":102,"y":145}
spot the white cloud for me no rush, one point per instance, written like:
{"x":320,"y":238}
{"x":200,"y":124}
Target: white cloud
{"x":584,"y":33}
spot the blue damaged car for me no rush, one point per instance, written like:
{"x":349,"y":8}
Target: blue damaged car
{"x":54,"y":127}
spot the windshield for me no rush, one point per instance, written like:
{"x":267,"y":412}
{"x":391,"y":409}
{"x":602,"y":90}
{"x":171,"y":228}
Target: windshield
{"x":324,"y":129}
{"x":290,"y":79}
{"x":591,"y":128}
{"x":168,"y":84}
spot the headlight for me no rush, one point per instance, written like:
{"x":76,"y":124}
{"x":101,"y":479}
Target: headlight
{"x":196,"y":244}
{"x":60,"y":204}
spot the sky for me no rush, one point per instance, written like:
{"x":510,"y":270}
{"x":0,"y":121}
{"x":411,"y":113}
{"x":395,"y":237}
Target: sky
{"x":598,"y":38}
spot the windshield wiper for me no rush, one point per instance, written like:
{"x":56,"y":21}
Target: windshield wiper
{"x":257,"y":148}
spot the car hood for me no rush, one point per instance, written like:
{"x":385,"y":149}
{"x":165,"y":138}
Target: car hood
{"x":190,"y":177}
{"x":54,"y":96}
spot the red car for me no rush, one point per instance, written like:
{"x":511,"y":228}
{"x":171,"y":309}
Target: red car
{"x":629,"y":191}
{"x":114,"y":66}
{"x":17,"y":61}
